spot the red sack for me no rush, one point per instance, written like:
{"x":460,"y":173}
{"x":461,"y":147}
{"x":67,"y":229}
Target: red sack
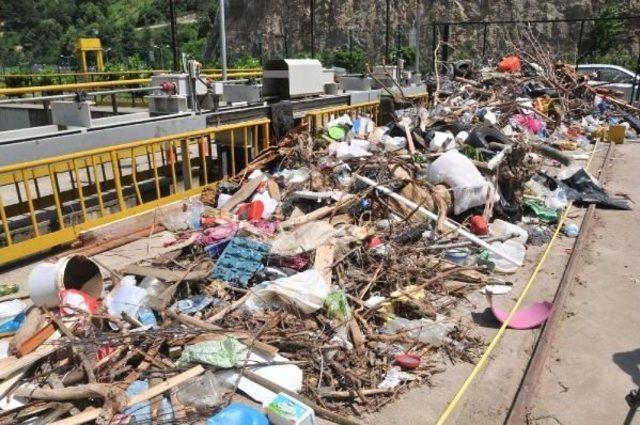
{"x":510,"y":64}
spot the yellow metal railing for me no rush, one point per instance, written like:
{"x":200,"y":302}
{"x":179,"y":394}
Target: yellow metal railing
{"x":129,"y":72}
{"x":73,"y":87}
{"x":105,"y":84}
{"x":48,"y":202}
{"x":317,"y":118}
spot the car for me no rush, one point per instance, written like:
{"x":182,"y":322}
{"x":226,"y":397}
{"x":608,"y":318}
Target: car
{"x":613,"y":77}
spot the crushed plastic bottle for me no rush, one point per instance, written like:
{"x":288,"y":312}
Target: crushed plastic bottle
{"x":424,"y":330}
{"x":203,"y":393}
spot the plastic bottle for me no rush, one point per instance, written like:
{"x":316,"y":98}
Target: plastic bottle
{"x":424,"y":330}
{"x":556,"y":200}
{"x":195,"y":208}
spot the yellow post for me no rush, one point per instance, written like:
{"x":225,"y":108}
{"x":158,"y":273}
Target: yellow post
{"x":83,"y":61}
{"x":99,"y":60}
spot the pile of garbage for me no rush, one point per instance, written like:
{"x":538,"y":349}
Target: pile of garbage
{"x":322,"y":280}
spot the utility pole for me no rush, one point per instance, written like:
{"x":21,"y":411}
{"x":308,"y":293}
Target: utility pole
{"x":386,"y":36}
{"x":174,"y":42}
{"x":223,"y":42}
{"x":312,"y":7}
{"x":418,"y":22}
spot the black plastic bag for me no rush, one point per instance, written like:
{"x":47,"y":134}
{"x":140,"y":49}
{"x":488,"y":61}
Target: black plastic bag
{"x":584,"y":190}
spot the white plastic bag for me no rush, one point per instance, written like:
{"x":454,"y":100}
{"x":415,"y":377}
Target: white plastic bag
{"x":126,"y":298}
{"x":470,"y":189}
{"x":344,"y":150}
{"x":306,"y":290}
{"x":441,"y":140}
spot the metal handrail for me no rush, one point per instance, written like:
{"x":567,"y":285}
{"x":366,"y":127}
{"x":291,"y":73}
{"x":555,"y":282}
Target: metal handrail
{"x":317,"y":118}
{"x":102,"y":84}
{"x":127,"y":72}
{"x":54,"y":199}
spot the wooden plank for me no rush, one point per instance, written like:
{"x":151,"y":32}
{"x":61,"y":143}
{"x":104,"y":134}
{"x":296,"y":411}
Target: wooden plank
{"x":92,"y":413}
{"x":14,"y":364}
{"x":325,"y":256}
{"x":245,"y":191}
{"x":164,"y":274}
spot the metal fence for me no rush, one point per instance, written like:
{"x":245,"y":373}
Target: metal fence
{"x":48,"y":202}
{"x":317,"y":118}
{"x":573,"y":40}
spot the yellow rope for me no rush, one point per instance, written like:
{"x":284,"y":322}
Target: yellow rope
{"x":494,"y":342}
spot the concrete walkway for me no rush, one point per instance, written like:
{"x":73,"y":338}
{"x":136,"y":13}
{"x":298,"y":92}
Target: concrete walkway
{"x":596,"y":354}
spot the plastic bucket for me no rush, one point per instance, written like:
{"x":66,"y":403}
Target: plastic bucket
{"x":46,"y":280}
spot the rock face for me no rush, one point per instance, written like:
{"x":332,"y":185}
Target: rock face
{"x":277,"y":28}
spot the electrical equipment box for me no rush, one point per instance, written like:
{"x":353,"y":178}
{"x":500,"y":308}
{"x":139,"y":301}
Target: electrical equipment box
{"x":290,"y":78}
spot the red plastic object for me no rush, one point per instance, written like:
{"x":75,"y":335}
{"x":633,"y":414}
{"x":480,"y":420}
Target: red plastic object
{"x":168,"y":87}
{"x":408,"y":360}
{"x":255,"y":211}
{"x":479,"y":225}
{"x":510,"y":64}
{"x":374,"y":242}
{"x":74,"y":300}
{"x":252,"y":211}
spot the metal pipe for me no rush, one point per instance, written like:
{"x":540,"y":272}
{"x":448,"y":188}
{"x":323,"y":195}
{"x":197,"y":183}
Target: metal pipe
{"x":579,"y":47}
{"x":386,"y":36}
{"x":484,"y":41}
{"x":434,"y":44}
{"x":636,"y":84}
{"x":223,"y":41}
{"x":542,"y":21}
{"x":434,"y":217}
{"x":174,"y":42}
{"x":68,"y":87}
{"x":312,"y":7}
{"x":445,"y":41}
{"x":418,"y":21}
{"x":74,"y":95}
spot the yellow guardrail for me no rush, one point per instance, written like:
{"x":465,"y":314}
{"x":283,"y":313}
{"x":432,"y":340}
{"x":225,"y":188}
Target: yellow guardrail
{"x":50,"y":201}
{"x":73,"y":87}
{"x":101,"y":84}
{"x":317,"y":118}
{"x":128,"y":72}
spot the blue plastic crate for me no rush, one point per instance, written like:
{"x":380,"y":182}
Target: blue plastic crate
{"x":240,"y":260}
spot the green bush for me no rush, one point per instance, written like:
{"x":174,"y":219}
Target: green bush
{"x":244,"y":62}
{"x":353,"y":60}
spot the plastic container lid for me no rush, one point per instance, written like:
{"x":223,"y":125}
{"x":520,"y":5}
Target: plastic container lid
{"x":238,"y":414}
{"x":337,"y":132}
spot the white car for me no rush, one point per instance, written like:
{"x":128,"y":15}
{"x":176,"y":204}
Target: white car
{"x":613,"y":77}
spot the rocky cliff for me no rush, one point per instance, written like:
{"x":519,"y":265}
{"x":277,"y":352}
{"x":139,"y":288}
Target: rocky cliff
{"x":276,"y":28}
